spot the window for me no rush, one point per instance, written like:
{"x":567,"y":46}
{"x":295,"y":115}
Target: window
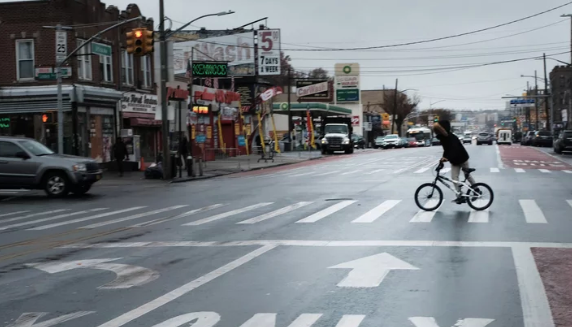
{"x":146,"y":70}
{"x":127,"y":68}
{"x":106,"y":68}
{"x":25,"y":59}
{"x":9,"y":149}
{"x":84,"y":62}
{"x":37,"y":148}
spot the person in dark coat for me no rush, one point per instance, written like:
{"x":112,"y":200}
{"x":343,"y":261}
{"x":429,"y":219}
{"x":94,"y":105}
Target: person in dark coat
{"x":183,"y":150}
{"x":120,"y":154}
{"x":454,"y":152}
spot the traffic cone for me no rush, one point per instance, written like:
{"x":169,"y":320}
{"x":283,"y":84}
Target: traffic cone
{"x":142,"y":163}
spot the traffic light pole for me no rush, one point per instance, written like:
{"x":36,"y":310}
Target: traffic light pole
{"x":59,"y":76}
{"x":163,"y":86}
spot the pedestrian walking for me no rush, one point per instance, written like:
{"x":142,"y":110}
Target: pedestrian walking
{"x":120,"y":154}
{"x":183,"y":150}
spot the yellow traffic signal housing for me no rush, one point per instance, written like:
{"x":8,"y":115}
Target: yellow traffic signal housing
{"x":135,"y":41}
{"x":130,"y":42}
{"x":148,"y":41}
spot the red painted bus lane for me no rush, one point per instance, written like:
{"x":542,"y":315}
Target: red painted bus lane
{"x":517,"y":156}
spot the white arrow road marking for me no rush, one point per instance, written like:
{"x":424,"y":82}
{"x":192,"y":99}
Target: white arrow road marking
{"x":326,"y":212}
{"x":370,"y":271}
{"x":532,"y":212}
{"x":199,"y":319}
{"x":467,"y":322}
{"x":375,"y":213}
{"x":183,"y":215}
{"x":66,"y":215}
{"x":127,"y":275}
{"x":274,"y":213}
{"x":33,"y":215}
{"x":227,"y":214}
{"x":13,"y":213}
{"x":137,"y":216}
{"x":29,"y":319}
{"x":182,"y":290}
{"x":73,"y":221}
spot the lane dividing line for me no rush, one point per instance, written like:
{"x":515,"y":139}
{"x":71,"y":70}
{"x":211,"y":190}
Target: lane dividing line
{"x":499,"y":160}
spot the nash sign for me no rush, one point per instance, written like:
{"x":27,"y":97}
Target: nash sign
{"x":210,"y":69}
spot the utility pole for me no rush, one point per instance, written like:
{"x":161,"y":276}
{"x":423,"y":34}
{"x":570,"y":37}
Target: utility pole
{"x":290,"y":127}
{"x":570,"y":16}
{"x":536,"y":100}
{"x":394,"y":106}
{"x":163,"y":85}
{"x":547,"y":100}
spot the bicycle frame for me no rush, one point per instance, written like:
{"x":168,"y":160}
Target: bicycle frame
{"x":445,"y":181}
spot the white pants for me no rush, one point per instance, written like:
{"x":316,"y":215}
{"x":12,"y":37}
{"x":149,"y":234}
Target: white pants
{"x":456,"y":170}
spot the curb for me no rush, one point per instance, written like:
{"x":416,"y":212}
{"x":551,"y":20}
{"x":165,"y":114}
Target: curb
{"x":237,"y":172}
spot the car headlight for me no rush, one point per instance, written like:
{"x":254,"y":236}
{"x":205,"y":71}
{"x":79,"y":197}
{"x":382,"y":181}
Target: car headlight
{"x":324,"y":141}
{"x":346,"y":141}
{"x":79,"y":167}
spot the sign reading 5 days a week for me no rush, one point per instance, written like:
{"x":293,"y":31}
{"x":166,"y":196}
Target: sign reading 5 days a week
{"x":210,"y":69}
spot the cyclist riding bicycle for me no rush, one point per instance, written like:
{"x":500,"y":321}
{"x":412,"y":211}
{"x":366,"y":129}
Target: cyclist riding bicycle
{"x":455,"y":153}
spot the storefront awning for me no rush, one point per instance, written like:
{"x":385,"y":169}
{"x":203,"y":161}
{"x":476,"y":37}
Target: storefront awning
{"x":324,"y":109}
{"x":144,"y":122}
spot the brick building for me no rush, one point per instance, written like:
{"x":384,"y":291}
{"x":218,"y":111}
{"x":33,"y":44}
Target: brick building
{"x":561,"y":87}
{"x":104,"y":88}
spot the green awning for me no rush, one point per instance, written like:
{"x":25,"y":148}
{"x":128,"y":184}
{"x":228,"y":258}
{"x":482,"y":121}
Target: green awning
{"x":321,"y":108}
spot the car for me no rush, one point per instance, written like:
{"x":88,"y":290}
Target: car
{"x":378,"y":143}
{"x":28,"y":164}
{"x":484,"y":137}
{"x":527,"y":138}
{"x":403,"y":143}
{"x":359,"y":142}
{"x":563,"y":142}
{"x":412,"y":142}
{"x":390,"y":141}
{"x":467,"y":137}
{"x":435,"y":141}
{"x":542,"y":138}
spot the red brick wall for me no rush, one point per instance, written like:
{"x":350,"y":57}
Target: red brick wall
{"x":24,"y":20}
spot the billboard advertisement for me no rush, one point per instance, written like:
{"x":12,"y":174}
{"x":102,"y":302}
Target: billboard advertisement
{"x":314,"y":90}
{"x":347,"y":78}
{"x":236,"y":49}
{"x":269,"y":52}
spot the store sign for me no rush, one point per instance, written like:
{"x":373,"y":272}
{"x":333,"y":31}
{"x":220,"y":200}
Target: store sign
{"x":206,"y":95}
{"x":246,"y":92}
{"x":4,"y":123}
{"x":227,"y":113}
{"x":138,"y":102}
{"x":344,"y":82}
{"x":346,"y":69}
{"x":268,"y":52}
{"x":204,"y":110}
{"x":177,"y":94}
{"x":270,"y":93}
{"x":312,"y":89}
{"x":355,"y":120}
{"x":347,"y":95}
{"x":210,"y":69}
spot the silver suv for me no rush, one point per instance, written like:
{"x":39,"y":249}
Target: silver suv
{"x":26,"y":163}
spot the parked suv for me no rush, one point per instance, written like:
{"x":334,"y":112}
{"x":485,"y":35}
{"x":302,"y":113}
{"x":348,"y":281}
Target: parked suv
{"x":527,"y":138}
{"x":484,"y":138}
{"x":563,"y":142}
{"x":26,"y":163}
{"x":542,"y":138}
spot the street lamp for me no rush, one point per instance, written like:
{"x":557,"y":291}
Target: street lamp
{"x":431,"y":104}
{"x":163,"y":85}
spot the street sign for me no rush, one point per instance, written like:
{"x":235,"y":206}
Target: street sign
{"x":355,"y":120}
{"x":61,"y":46}
{"x":101,"y":49}
{"x":269,"y":52}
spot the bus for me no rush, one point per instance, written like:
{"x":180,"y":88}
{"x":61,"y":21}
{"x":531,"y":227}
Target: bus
{"x":423,"y":135}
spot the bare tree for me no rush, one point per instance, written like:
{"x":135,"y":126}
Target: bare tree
{"x":399,"y":107}
{"x":318,"y":73}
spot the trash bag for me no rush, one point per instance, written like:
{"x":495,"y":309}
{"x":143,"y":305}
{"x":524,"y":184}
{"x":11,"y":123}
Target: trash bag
{"x":155,"y":171}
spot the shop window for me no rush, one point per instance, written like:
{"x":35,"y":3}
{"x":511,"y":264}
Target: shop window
{"x":106,"y":68}
{"x":9,"y":150}
{"x":126,"y":68}
{"x":84,"y":62}
{"x":25,"y":59}
{"x":146,"y":70}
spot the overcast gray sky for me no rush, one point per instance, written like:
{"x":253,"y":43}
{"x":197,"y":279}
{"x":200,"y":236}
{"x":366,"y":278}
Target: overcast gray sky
{"x":362,"y":23}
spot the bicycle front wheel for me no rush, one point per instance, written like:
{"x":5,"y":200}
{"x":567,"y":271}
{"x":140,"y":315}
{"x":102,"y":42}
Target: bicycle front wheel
{"x":428,"y":197}
{"x":481,"y":198}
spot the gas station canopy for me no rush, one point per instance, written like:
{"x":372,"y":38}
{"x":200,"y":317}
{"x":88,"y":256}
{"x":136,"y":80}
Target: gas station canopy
{"x":316,"y":108}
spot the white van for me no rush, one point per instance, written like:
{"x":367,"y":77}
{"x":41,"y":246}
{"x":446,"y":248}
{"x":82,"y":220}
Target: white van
{"x":504,"y":137}
{"x":467,"y":137}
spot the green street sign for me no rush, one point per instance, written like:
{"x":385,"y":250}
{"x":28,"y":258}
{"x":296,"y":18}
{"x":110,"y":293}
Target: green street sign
{"x":46,"y":76}
{"x":101,"y":49}
{"x":210,"y":69}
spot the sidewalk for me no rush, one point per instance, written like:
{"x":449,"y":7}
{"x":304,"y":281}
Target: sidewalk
{"x":212,"y":169}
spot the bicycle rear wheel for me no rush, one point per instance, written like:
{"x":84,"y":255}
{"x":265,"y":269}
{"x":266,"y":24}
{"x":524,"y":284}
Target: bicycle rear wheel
{"x":481,"y":200}
{"x":428,"y":197}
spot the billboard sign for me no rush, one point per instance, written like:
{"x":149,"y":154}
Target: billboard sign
{"x":269,"y":52}
{"x":347,"y":95}
{"x":521,"y":103}
{"x":346,"y":69}
{"x":345,"y":82}
{"x":236,"y":50}
{"x":313,"y":90}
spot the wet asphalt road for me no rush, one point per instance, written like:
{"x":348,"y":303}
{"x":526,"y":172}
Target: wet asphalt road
{"x":331,"y":242}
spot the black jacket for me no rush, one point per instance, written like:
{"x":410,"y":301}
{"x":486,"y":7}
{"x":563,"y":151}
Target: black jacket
{"x":120,"y":151}
{"x":453,"y":149}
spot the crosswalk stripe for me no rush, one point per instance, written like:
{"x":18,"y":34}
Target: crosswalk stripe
{"x":374,"y":171}
{"x":568,"y":171}
{"x":137,"y":216}
{"x":495,"y":170}
{"x":445,"y":170}
{"x":14,"y":213}
{"x":79,"y":220}
{"x":544,"y":171}
{"x":351,"y":172}
{"x":326,"y":212}
{"x":532,"y":212}
{"x":375,"y":213}
{"x":227,"y":214}
{"x":423,"y":216}
{"x":52,"y":218}
{"x":519,"y":170}
{"x":422,"y":170}
{"x":183,"y":215}
{"x":274,"y":213}
{"x":481,"y":216}
{"x":328,"y":173}
{"x":34,"y":215}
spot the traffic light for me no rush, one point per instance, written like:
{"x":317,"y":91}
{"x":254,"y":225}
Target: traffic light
{"x":435,"y":119}
{"x":514,"y":119}
{"x":47,"y":118}
{"x":148,"y":40}
{"x":135,"y":41}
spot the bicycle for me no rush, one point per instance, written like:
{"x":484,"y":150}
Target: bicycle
{"x":474,"y":196}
